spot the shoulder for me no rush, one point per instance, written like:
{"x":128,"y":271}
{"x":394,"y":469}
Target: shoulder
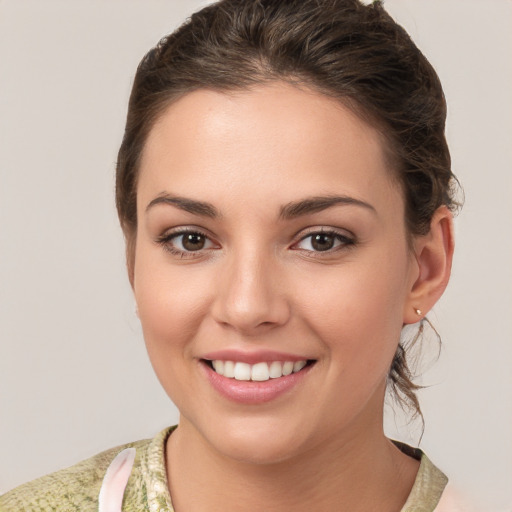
{"x":73,"y":488}
{"x":453,"y":501}
{"x":431,"y":491}
{"x":429,"y":484}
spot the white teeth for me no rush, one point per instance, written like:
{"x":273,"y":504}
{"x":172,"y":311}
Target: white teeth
{"x":229,"y":369}
{"x":258,"y":372}
{"x":242,"y":371}
{"x":298,"y":365}
{"x":218,"y":366}
{"x":275,"y":370}
{"x":287,"y":367}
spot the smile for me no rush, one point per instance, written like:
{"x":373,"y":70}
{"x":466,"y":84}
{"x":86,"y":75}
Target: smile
{"x":258,"y":372}
{"x":252,"y":381}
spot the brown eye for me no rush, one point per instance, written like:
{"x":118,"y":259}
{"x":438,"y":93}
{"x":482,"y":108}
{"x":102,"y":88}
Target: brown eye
{"x":193,"y":241}
{"x":322,"y":241}
{"x":187,"y":243}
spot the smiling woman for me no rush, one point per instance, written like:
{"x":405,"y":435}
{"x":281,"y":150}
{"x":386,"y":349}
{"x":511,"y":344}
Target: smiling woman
{"x":285,"y":191}
{"x":308,"y":242}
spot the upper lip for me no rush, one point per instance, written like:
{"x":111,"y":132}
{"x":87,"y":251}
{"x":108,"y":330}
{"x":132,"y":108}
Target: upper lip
{"x":253,"y":356}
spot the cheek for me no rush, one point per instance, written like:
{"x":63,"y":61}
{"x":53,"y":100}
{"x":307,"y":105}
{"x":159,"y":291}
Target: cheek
{"x":170,"y":302}
{"x":357,"y":312}
{"x":171,"y":307}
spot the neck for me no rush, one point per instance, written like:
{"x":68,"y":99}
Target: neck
{"x":359,"y":472}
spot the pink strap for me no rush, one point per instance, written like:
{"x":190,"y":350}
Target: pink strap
{"x":115,"y":481}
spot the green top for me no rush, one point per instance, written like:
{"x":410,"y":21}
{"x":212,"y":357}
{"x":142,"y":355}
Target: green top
{"x":77,"y":488}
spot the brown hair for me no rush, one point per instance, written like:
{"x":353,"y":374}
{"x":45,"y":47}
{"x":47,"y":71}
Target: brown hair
{"x":342,"y":48}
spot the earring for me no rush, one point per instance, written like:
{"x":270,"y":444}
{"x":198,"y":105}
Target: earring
{"x":418,"y":312}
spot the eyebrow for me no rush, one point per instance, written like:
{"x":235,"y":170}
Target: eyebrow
{"x":189,"y":205}
{"x":318,"y":204}
{"x":289,"y":211}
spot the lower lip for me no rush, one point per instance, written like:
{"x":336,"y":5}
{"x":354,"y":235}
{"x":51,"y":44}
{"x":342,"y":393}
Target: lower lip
{"x":252,"y":392}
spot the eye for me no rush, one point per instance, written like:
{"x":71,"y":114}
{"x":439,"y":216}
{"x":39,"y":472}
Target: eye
{"x":185,"y":243}
{"x":191,"y":241}
{"x":322,"y":241}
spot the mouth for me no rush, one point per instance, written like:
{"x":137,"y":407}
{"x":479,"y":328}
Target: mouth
{"x":258,"y":372}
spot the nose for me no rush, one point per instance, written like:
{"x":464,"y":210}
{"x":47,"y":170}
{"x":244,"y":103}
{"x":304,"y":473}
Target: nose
{"x":251,"y":296}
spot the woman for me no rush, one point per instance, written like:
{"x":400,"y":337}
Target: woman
{"x":285,"y":192}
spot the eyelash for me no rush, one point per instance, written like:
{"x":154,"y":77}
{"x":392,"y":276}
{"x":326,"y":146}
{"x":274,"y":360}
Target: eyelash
{"x":344,"y":240}
{"x":166,"y":239}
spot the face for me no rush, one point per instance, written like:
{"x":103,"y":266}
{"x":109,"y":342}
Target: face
{"x":271,"y":269}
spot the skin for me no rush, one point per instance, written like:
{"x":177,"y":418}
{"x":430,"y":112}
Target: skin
{"x":258,"y":283}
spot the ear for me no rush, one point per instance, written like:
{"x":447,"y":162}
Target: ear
{"x":434,"y":254}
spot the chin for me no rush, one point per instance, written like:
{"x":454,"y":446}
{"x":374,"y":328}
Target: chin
{"x":258,"y":442}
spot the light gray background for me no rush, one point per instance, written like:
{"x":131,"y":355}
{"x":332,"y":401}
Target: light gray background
{"x":74,"y":375}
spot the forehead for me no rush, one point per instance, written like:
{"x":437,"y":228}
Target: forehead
{"x":273,"y":141}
